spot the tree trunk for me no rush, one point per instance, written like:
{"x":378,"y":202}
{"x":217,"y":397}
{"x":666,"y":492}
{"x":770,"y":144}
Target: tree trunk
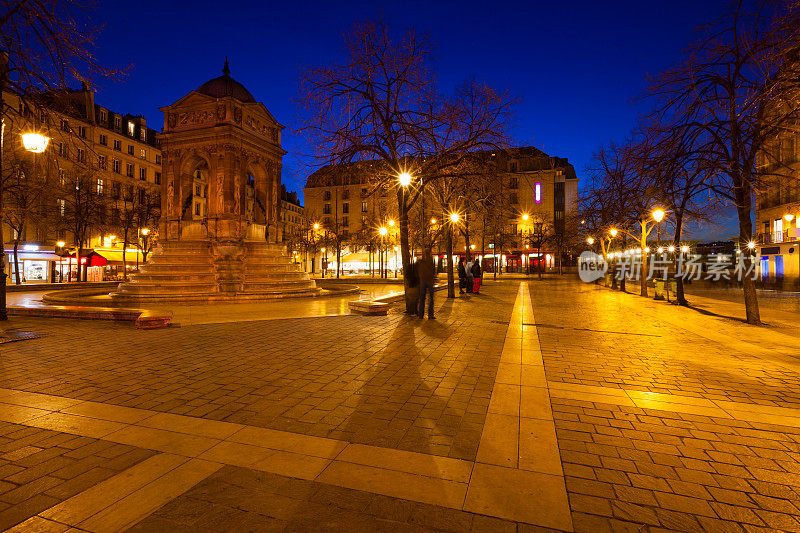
{"x":451,"y":289}
{"x":745,"y":236}
{"x":680,"y":297}
{"x":411,"y":307}
{"x":643,"y":274}
{"x":124,"y":260}
{"x":17,"y":277}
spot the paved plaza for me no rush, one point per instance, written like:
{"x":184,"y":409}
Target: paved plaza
{"x":535,"y":406}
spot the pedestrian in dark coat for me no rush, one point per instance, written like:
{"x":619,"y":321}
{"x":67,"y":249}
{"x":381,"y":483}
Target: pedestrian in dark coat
{"x":462,"y":275}
{"x":426,"y":272}
{"x":477,"y":273}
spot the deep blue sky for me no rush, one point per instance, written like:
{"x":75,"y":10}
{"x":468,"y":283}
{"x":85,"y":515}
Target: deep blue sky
{"x":576,"y":65}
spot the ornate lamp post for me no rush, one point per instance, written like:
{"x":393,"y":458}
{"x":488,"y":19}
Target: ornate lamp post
{"x":383,"y":232}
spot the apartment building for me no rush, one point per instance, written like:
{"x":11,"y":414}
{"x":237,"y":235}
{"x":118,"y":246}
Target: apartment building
{"x":534,"y":186}
{"x":114,"y":155}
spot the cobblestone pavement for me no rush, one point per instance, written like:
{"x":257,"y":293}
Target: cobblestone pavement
{"x":629,"y":468}
{"x":595,"y":336}
{"x":552,"y":403}
{"x":390,"y":381}
{"x":41,"y":468}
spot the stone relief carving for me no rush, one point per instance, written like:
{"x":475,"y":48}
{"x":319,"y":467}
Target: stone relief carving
{"x":237,"y":115}
{"x":221,"y":112}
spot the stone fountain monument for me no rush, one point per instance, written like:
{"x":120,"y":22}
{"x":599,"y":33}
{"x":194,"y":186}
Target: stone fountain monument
{"x":221,"y":160}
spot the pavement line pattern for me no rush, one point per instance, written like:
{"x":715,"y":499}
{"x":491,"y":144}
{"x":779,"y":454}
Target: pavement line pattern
{"x":518,"y":474}
{"x":746,"y":412}
{"x":122,"y":500}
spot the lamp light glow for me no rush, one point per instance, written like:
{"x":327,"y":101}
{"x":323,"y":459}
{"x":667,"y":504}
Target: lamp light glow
{"x":525,"y":216}
{"x":35,"y":142}
{"x":391,"y":222}
{"x":145,"y":231}
{"x":671,"y":249}
{"x":433,"y":221}
{"x":590,"y":240}
{"x":383,"y":231}
{"x":613,"y":232}
{"x":684,"y":249}
{"x":788,"y":218}
{"x":61,"y":244}
{"x":404,"y":178}
{"x":751,"y":245}
{"x":454,"y":217}
{"x":658,"y":214}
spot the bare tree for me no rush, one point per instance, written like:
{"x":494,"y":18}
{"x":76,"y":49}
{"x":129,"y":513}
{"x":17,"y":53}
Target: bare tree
{"x":80,"y":208}
{"x":734,"y":94}
{"x":383,"y":104}
{"x":44,"y":46}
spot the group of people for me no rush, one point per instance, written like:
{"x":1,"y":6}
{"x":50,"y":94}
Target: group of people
{"x":469,"y":276}
{"x":424,"y":273}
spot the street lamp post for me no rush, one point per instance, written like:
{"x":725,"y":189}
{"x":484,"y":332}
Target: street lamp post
{"x":383,"y":232}
{"x":539,"y":234}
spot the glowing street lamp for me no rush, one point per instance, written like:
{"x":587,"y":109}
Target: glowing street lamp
{"x":788,"y":218}
{"x":685,"y":249}
{"x":61,"y":244}
{"x":590,"y":241}
{"x":613,"y":232}
{"x":391,"y":222}
{"x":658,"y":214}
{"x":35,"y":142}
{"x":525,"y":216}
{"x":671,"y":249}
{"x":661,"y":249}
{"x":454,"y":217}
{"x":316,"y":226}
{"x":145,"y":231}
{"x":404,"y":178}
{"x":382,"y":230}
{"x":433,"y":221}
{"x":751,"y":245}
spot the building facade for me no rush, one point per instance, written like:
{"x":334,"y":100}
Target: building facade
{"x":531,"y":192}
{"x":99,"y":177}
{"x":777,"y":211}
{"x":292,"y":219}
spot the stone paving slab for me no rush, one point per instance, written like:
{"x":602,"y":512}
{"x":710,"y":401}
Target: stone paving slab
{"x":40,"y":468}
{"x":239,"y":499}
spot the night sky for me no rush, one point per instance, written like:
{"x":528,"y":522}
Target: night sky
{"x":576,"y":65}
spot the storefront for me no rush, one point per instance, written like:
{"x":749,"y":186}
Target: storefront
{"x":35,"y":266}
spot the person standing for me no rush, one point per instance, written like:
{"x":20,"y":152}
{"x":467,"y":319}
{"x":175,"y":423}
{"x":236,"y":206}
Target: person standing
{"x":477,"y":273}
{"x":462,"y":275}
{"x":470,"y":279}
{"x":426,"y":273}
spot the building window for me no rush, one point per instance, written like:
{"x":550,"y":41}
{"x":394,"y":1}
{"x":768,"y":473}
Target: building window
{"x":537,"y":192}
{"x":326,"y":196}
{"x":103,"y":140}
{"x":82,"y":131}
{"x":101,"y":186}
{"x":116,"y":165}
{"x":118,"y":123}
{"x":80,"y":157}
{"x":345,"y":221}
{"x":101,"y":162}
{"x":513,"y":183}
{"x":346,"y":194}
{"x":326,"y":209}
{"x":62,"y":150}
{"x":130,"y":149}
{"x":363,"y":207}
{"x":363,"y":191}
{"x":131,"y":129}
{"x":143,"y":174}
{"x":345,"y":207}
{"x":62,"y":206}
{"x":64,"y":125}
{"x":158,"y":178}
{"x":129,"y":193}
{"x":326,"y":221}
{"x":512,"y":198}
{"x":143,"y":153}
{"x":103,"y":116}
{"x":143,"y":134}
{"x":117,"y":145}
{"x":158,"y":159}
{"x":62,"y":177}
{"x":129,"y":170}
{"x":512,"y":166}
